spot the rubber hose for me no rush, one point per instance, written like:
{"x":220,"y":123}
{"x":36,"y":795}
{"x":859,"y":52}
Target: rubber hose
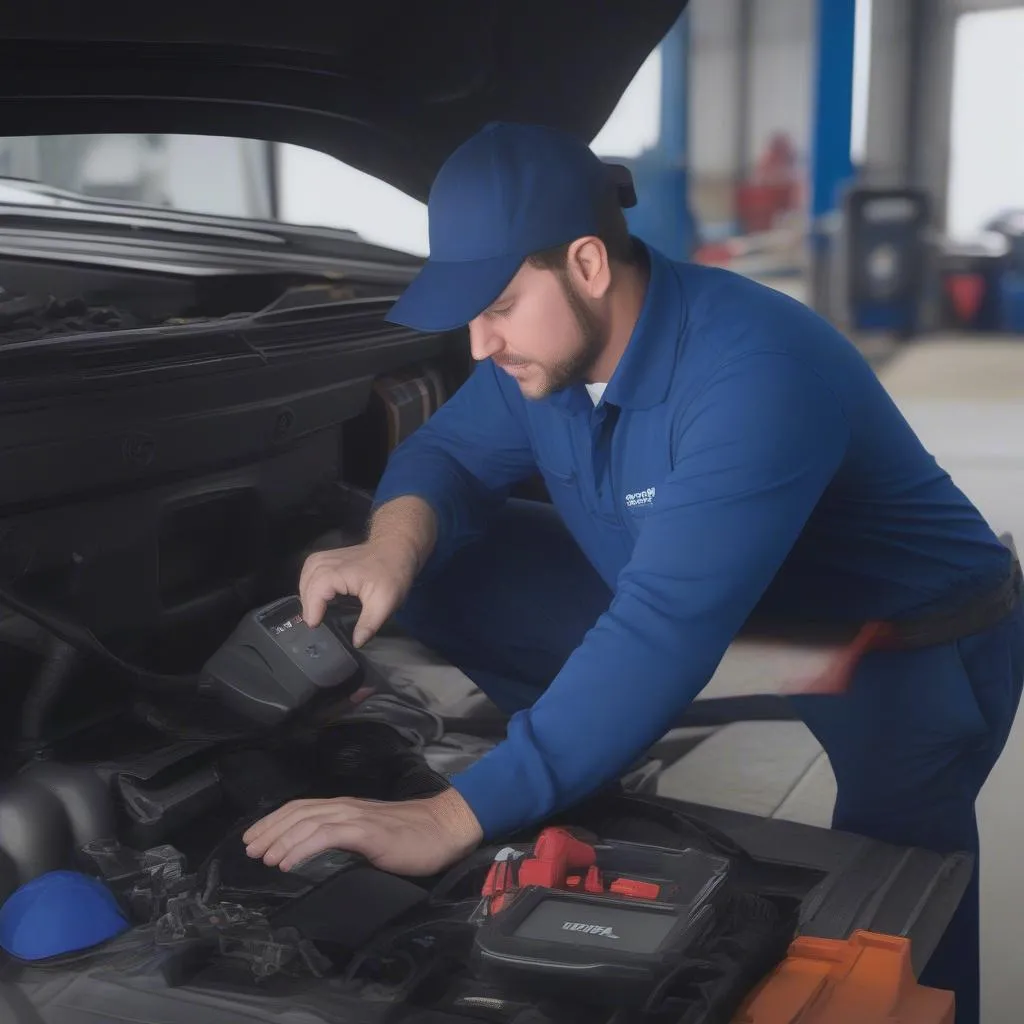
{"x":59,"y":662}
{"x":82,"y":638}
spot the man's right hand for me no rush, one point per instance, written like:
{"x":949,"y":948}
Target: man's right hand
{"x":378,"y":574}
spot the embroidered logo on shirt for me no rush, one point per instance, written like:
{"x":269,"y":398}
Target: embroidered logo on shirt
{"x":640,"y":498}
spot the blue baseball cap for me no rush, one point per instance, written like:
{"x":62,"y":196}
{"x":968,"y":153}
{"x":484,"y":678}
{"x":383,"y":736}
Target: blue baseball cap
{"x":508,"y":192}
{"x":58,"y":913}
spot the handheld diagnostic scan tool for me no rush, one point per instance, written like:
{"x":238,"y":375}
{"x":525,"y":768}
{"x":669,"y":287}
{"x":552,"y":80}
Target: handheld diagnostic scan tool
{"x":274,"y":663}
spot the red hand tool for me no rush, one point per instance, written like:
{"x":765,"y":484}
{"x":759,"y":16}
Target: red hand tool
{"x":559,"y":861}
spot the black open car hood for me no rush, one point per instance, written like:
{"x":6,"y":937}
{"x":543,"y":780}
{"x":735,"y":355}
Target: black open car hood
{"x":389,"y":87}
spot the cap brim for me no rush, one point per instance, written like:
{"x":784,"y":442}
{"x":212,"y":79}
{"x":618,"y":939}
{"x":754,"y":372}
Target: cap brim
{"x":446,"y":296}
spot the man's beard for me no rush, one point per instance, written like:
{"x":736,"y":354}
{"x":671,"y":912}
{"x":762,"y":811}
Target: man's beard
{"x":592,"y":343}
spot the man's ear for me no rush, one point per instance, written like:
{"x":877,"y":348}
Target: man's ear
{"x":590,"y":267}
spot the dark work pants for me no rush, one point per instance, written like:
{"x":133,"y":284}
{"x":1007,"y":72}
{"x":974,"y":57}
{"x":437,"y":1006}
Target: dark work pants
{"x":911,"y":744}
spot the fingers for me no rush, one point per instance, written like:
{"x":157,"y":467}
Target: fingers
{"x":303,"y":829}
{"x":350,"y":837}
{"x":272,"y":838}
{"x":314,"y":606}
{"x":324,"y":578}
{"x":300,"y":834}
{"x":281,"y":842}
{"x":319,"y":590}
{"x":379,"y":583}
{"x":308,"y":567}
{"x":379,"y":602}
{"x":313,"y":568}
{"x":262,"y":828}
{"x":412,"y":837}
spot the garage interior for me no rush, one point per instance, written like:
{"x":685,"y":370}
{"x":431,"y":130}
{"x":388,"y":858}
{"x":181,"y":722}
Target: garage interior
{"x":863,"y":156}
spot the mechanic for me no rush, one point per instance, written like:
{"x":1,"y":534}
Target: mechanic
{"x":712,"y":449}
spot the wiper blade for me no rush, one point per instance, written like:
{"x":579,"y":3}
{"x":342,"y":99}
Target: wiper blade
{"x":24,"y":317}
{"x":49,"y":338}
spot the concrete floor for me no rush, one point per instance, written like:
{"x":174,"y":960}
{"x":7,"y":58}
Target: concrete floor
{"x":965,"y":398}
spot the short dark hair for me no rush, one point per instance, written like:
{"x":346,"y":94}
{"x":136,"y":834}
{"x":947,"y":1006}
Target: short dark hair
{"x":612,"y":229}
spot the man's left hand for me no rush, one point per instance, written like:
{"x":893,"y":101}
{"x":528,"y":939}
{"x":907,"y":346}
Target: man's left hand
{"x":411,"y":837}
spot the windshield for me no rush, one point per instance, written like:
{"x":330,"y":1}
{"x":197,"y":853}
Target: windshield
{"x":225,"y":177}
{"x":232,"y":177}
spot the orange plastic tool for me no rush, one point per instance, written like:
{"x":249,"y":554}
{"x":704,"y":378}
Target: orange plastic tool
{"x":867,"y":979}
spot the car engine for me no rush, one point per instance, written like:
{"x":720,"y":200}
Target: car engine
{"x":159,"y":828}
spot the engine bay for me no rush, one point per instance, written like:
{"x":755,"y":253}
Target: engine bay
{"x":152,"y":808}
{"x":339,"y":939}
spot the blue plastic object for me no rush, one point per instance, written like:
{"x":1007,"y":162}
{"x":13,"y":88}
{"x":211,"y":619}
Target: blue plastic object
{"x":1011,"y":294}
{"x":58,"y":913}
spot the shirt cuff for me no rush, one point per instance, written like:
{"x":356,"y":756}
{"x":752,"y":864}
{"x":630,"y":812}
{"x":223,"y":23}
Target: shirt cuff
{"x":512,"y":785}
{"x":498,"y":808}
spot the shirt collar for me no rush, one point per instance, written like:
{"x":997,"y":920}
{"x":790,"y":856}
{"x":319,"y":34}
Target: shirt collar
{"x":644,"y":374}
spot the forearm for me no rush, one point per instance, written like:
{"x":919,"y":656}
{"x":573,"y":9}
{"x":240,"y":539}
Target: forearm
{"x":430,"y":502}
{"x":461,"y":464}
{"x":407,"y":524}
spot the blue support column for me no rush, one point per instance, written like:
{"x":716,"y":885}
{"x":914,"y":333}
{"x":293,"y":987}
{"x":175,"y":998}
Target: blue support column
{"x":831,"y":165}
{"x":675,"y":52}
{"x":662,"y":214}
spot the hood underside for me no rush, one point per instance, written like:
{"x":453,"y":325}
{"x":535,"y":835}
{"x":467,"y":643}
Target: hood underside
{"x":390,"y":87}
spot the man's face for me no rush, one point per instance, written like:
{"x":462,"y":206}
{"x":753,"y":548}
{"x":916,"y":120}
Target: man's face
{"x":541,"y":330}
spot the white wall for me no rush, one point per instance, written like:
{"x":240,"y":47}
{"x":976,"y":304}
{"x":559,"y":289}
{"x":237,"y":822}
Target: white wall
{"x":780,"y":80}
{"x":635,"y":123}
{"x":986,"y":162}
{"x":217,"y":175}
{"x":715,"y":76}
{"x":862,"y":54}
{"x":886,"y":141}
{"x":929,"y":130}
{"x":318,"y":189}
{"x":782,"y":73}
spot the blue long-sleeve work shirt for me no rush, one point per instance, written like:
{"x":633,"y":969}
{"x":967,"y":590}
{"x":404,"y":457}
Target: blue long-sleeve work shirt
{"x":743,"y":456}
